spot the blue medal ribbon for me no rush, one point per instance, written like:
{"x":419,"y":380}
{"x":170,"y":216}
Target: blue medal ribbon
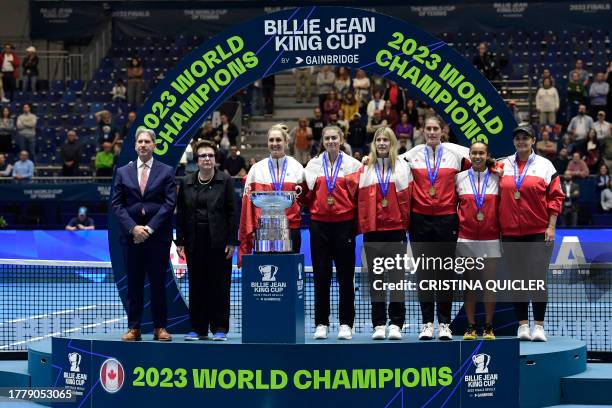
{"x":278,"y":184}
{"x":518,"y":179}
{"x":479,"y":198}
{"x":437,"y":161}
{"x":384,"y":185}
{"x":331,"y":183}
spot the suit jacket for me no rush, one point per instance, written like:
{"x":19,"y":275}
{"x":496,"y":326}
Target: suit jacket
{"x":571,"y":201}
{"x":221,"y":205}
{"x":158,"y":200}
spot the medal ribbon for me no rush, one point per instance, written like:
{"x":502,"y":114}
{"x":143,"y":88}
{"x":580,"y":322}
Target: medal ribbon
{"x":437,"y":161}
{"x":278,"y":185}
{"x":518,"y":179}
{"x":384,"y":186}
{"x":479,"y":198}
{"x":331,"y":183}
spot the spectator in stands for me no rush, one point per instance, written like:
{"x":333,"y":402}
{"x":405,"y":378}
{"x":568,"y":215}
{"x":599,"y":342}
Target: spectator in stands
{"x":342,"y":123}
{"x":303,"y":79}
{"x":131,"y":118}
{"x":331,"y":105}
{"x":418,"y":133}
{"x":268,"y":86}
{"x":30,"y":70}
{"x":546,"y":147}
{"x":547,"y":75}
{"x":606,"y":198}
{"x":412,"y":112}
{"x":252,"y":161}
{"x":569,"y":215}
{"x":325,"y":83}
{"x":71,"y":153}
{"x":402,"y":146}
{"x":575,"y":94}
{"x":2,"y":98}
{"x":357,"y":155}
{"x":516,"y":112}
{"x":6,"y":169}
{"x":136,"y":84}
{"x":374,"y":123}
{"x":9,"y":62}
{"x":26,"y":131}
{"x":547,"y":103}
{"x":119,"y":92}
{"x":376,"y":104}
{"x":301,"y":136}
{"x":349,"y":105}
{"x":334,"y":120}
{"x":361,"y":87}
{"x":106,"y":130}
{"x":556,"y":132}
{"x":580,"y":125}
{"x":23,"y":169}
{"x":566,"y":142}
{"x":257,"y":101}
{"x":486,"y":62}
{"x":117,"y":146}
{"x":342,"y":83}
{"x":227,"y":133}
{"x":207,"y":132}
{"x":404,"y":130}
{"x":390,"y":114}
{"x":603,"y":178}
{"x":234,"y":164}
{"x":7,"y":130}
{"x":583,"y":74}
{"x":105,"y":160}
{"x":395,"y":95}
{"x":357,"y":134}
{"x":598,"y":92}
{"x":561,"y":161}
{"x":81,"y":221}
{"x":316,"y":124}
{"x":609,"y":81}
{"x":591,"y":152}
{"x":602,"y":127}
{"x":577,"y":167}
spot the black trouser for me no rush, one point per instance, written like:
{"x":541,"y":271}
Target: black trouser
{"x":425,"y":232}
{"x":210,"y":275}
{"x":333,"y":243}
{"x":296,"y":240}
{"x":151,"y":259}
{"x":9,"y":84}
{"x":526,"y":258}
{"x":385,"y":244}
{"x":69,"y":171}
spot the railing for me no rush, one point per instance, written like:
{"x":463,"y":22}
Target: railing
{"x":96,"y":50}
{"x":60,"y":180}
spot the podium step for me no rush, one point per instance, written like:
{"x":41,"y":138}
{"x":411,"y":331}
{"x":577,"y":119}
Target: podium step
{"x":589,"y":387}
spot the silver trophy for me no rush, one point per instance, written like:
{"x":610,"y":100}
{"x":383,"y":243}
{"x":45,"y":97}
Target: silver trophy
{"x":273,"y":234}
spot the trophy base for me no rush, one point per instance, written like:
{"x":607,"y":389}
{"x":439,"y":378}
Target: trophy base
{"x":267,"y":245}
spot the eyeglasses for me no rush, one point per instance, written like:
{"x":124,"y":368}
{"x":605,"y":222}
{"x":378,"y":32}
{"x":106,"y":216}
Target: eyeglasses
{"x":206,"y":156}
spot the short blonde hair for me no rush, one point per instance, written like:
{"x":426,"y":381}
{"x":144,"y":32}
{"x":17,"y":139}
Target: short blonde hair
{"x":281,"y":127}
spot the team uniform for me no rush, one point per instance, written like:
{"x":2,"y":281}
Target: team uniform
{"x":434,"y":215}
{"x":383,"y":217}
{"x":524,"y":213}
{"x":260,"y":178}
{"x":332,"y":232}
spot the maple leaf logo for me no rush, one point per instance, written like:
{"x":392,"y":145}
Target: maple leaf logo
{"x":112,"y":374}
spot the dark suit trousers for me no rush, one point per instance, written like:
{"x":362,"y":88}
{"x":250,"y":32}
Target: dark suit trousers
{"x":151,"y":259}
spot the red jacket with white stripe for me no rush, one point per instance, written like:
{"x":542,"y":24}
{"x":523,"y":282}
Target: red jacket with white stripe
{"x":344,"y":194}
{"x":469,"y":226}
{"x":259,"y":179}
{"x":371,"y":215}
{"x":541,"y":195}
{"x":455,"y":158}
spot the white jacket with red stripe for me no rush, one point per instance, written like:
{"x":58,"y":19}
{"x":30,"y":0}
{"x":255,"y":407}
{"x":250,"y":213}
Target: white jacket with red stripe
{"x":455,"y":158}
{"x":260,"y":179}
{"x":371,"y":215}
{"x":470,"y":228}
{"x":541,"y":195}
{"x":344,"y":195}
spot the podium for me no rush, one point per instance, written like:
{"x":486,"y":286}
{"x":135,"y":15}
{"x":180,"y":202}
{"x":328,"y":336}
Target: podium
{"x":273,"y":298}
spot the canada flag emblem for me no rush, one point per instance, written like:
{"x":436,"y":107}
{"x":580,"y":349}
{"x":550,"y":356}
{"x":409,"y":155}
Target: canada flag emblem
{"x":111,"y":375}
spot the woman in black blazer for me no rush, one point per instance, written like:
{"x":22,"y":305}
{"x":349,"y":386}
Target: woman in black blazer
{"x":207,"y":231}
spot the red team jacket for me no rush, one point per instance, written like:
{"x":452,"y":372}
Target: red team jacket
{"x":541,"y":196}
{"x":372,"y":216}
{"x":455,"y":158}
{"x":469,"y":226}
{"x":344,"y":194}
{"x":259,"y":179}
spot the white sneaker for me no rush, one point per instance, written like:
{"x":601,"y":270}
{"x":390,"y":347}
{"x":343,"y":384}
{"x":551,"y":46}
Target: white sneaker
{"x":538,"y":333}
{"x":523,"y":333}
{"x":4,"y":100}
{"x":320,"y":332}
{"x":345,"y":332}
{"x":427,"y":332}
{"x":394,"y":332}
{"x":444,"y":332}
{"x":379,"y":333}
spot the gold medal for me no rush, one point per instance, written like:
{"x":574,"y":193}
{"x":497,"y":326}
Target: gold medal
{"x":432,"y":191}
{"x":384,"y":202}
{"x":480,"y":216}
{"x":517,"y":195}
{"x":330,"y":200}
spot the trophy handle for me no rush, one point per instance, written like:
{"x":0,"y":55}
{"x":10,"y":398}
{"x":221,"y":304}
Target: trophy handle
{"x":298,"y":190}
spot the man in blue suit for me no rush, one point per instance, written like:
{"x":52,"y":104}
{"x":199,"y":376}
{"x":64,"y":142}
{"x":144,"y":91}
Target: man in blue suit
{"x":144,"y":196}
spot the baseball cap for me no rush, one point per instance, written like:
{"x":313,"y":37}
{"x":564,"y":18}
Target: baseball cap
{"x":524,"y":127}
{"x":83,"y":211}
